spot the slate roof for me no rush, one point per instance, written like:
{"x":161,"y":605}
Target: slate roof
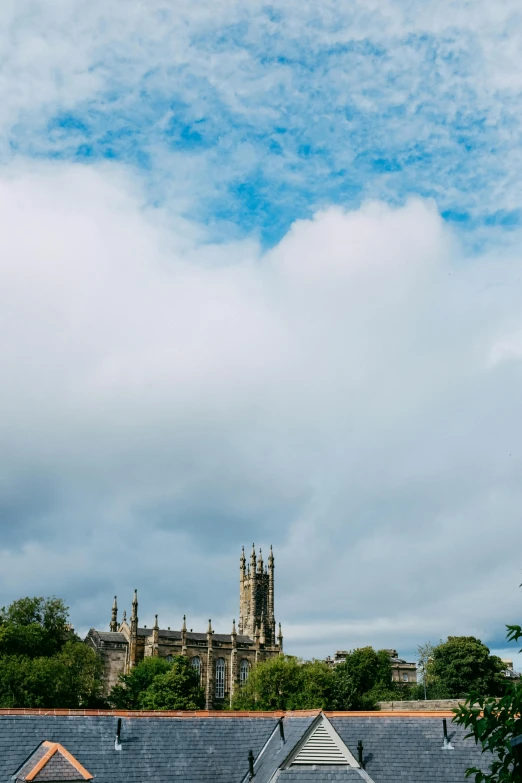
{"x":158,"y":750}
{"x":111,"y":636}
{"x":30,"y":764}
{"x":275,"y":751}
{"x":56,"y":769}
{"x":191,"y":637}
{"x":409,"y":748}
{"x":215,"y":749}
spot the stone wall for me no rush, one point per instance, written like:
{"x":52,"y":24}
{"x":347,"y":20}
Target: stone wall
{"x":419,"y":706}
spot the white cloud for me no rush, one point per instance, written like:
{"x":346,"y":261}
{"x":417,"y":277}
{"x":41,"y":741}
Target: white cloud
{"x":164,"y":400}
{"x":389,"y":98}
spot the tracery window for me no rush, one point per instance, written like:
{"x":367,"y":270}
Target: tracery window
{"x":220,"y":678}
{"x":243,"y":671}
{"x":196,"y":665}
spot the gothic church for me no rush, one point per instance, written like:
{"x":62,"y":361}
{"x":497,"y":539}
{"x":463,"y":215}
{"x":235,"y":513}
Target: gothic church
{"x":221,"y":660}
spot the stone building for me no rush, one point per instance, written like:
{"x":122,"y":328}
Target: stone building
{"x":222,"y":661}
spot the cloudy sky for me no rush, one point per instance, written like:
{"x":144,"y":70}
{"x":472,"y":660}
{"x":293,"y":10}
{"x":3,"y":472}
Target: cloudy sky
{"x":261,"y":280}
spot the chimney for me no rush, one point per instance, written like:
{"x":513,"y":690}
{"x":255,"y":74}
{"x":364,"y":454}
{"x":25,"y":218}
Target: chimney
{"x":282,"y":732}
{"x":117,"y":743}
{"x":447,"y":744}
{"x":251,"y":763}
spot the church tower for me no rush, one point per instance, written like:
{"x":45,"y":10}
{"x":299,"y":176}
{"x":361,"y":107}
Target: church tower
{"x":256,"y":597}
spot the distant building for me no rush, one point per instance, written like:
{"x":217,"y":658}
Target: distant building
{"x":222,"y":661}
{"x":509,"y":672}
{"x":402,"y":671}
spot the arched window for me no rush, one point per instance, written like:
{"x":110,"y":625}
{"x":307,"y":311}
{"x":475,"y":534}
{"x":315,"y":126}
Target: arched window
{"x":243,"y":671}
{"x":169,"y":658}
{"x":220,"y":678}
{"x":196,"y":665}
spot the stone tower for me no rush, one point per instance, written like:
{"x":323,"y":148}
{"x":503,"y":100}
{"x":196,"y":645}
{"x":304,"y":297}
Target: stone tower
{"x":256,"y":598}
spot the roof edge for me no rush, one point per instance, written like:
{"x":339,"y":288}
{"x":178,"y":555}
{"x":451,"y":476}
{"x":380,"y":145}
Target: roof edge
{"x":224,"y":713}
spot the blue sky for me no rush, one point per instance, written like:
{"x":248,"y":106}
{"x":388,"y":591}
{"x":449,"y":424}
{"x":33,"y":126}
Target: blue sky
{"x":261,"y":279}
{"x":280,"y":111}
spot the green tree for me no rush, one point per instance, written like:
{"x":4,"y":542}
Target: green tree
{"x":272,"y":685}
{"x":127,"y":694}
{"x":425,"y":665}
{"x":316,"y":686}
{"x":79,"y":678}
{"x":493,"y":723}
{"x":177,"y":689}
{"x":364,"y":678}
{"x":72,"y":678}
{"x":34,"y":627}
{"x":286,"y":683}
{"x":463,"y":664}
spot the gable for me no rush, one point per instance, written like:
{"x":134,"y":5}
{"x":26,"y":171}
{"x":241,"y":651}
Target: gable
{"x":52,"y":762}
{"x":321,"y":746}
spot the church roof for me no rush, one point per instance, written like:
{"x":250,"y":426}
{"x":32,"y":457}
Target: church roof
{"x":110,"y":636}
{"x":195,"y":637}
{"x":203,"y":748}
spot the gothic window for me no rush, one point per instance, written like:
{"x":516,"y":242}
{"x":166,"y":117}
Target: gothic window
{"x":243,"y":671}
{"x":220,"y":678}
{"x":196,"y":665}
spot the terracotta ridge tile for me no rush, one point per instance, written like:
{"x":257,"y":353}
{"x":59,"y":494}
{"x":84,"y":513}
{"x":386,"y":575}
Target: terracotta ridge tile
{"x":226,"y":713}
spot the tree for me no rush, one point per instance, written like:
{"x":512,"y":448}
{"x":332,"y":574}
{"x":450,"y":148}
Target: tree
{"x":425,"y":665}
{"x":177,"y":689}
{"x":72,"y":678}
{"x":463,"y":664}
{"x":494,"y":723}
{"x":42,"y":663}
{"x":127,"y":694}
{"x":79,"y":678}
{"x":364,"y":678}
{"x":286,"y":683}
{"x":33,"y":627}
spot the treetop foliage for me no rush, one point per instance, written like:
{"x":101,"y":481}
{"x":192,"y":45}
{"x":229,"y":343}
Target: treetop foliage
{"x":288,"y":683}
{"x":34,"y":627}
{"x":493,"y":723}
{"x":158,"y":684}
{"x":42,"y":664}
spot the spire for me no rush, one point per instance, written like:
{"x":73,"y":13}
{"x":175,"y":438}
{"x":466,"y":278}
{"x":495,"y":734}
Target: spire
{"x":234,"y":633}
{"x":124,"y":615}
{"x":184,"y":626}
{"x":280,"y":639}
{"x":114,"y":616}
{"x":271,"y":558}
{"x":209,"y":626}
{"x":134,"y":615}
{"x":242,"y":560}
{"x":260,"y":562}
{"x":253,"y":559}
{"x":156,"y":626}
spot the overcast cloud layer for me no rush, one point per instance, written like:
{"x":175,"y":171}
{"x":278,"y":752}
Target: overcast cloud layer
{"x":260,"y":279}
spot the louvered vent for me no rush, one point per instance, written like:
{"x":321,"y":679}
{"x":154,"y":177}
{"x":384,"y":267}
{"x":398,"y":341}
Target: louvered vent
{"x":320,"y":748}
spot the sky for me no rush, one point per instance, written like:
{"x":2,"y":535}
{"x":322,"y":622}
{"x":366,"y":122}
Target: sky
{"x":261,"y":281}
